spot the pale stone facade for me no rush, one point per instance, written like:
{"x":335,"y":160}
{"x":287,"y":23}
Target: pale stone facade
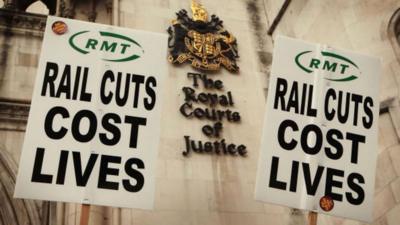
{"x":206,"y":189}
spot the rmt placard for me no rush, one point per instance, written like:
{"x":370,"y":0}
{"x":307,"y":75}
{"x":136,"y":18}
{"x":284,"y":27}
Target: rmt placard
{"x":319,"y":143}
{"x":94,"y":124}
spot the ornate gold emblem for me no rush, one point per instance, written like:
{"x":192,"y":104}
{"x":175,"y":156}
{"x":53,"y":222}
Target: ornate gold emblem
{"x":205,"y":44}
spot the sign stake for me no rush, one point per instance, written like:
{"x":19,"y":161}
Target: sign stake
{"x":85,"y":212}
{"x":312,"y":218}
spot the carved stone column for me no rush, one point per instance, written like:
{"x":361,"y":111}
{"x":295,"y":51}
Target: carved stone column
{"x":66,"y":8}
{"x":14,"y":211}
{"x":10,"y":4}
{"x":92,"y":13}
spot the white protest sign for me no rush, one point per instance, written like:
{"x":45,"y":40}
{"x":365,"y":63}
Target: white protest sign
{"x":94,"y":124}
{"x":319,"y":144}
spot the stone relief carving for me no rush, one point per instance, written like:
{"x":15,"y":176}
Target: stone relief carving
{"x":67,"y":8}
{"x":22,"y":5}
{"x":10,"y":20}
{"x":14,"y":211}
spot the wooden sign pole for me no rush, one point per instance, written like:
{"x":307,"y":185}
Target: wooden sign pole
{"x":312,"y":218}
{"x":85,"y":212}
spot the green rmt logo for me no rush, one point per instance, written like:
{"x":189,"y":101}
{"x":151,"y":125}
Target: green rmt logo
{"x":339,"y":68}
{"x":116,"y":47}
{"x":106,"y":46}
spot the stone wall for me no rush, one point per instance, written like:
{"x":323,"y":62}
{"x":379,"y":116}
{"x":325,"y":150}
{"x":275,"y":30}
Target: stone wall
{"x":20,"y":42}
{"x":211,"y":189}
{"x":365,"y":27}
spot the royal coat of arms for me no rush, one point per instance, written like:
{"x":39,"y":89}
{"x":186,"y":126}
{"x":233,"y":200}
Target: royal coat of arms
{"x":205,"y":44}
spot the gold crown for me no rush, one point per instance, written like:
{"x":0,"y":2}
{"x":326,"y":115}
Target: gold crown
{"x":199,"y":12}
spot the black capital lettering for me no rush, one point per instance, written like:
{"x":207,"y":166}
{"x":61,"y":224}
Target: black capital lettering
{"x":331,"y":182}
{"x":135,"y":174}
{"x":189,"y":94}
{"x":343,"y":115}
{"x":335,"y":143}
{"x":281,"y":134}
{"x":110,"y":127}
{"x":188,"y":146}
{"x":312,"y":184}
{"x":138,"y":80}
{"x":76,"y":132}
{"x":85,"y":96}
{"x":355,"y":139}
{"x":106,"y":98}
{"x":353,"y":180}
{"x":273,"y":178}
{"x":149,"y":102}
{"x":183,"y":108}
{"x":369,"y":118}
{"x":194,"y":76}
{"x":135,"y":123}
{"x":329,"y":114}
{"x":281,"y":88}
{"x":121,"y":100}
{"x":50,"y":75}
{"x":105,"y":170}
{"x":48,"y":122}
{"x":62,"y":167}
{"x":65,"y":83}
{"x":37,"y":175}
{"x":311,"y":150}
{"x":357,"y":99}
{"x":294,"y":176}
{"x":82,"y":177}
